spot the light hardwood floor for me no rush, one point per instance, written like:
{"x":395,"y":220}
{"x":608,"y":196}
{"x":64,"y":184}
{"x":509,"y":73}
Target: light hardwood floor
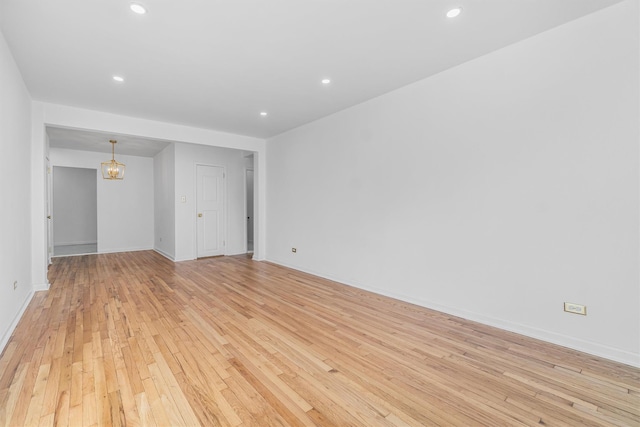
{"x":134,"y":339}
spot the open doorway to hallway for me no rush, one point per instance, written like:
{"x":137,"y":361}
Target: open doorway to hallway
{"x":75,"y":211}
{"x":249,"y":195}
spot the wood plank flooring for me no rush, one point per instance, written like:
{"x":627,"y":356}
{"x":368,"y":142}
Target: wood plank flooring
{"x":134,"y":339}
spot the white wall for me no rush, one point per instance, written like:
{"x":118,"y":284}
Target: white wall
{"x":164,"y":187}
{"x":39,"y":226}
{"x":15,"y":192}
{"x":75,"y":206}
{"x":187,"y":156}
{"x":125,"y":208}
{"x":496,"y":190}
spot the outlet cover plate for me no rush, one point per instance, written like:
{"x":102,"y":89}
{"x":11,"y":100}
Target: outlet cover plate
{"x":575,"y":308}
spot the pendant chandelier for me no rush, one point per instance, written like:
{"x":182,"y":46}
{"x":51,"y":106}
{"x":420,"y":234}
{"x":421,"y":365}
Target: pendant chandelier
{"x":112,"y":169}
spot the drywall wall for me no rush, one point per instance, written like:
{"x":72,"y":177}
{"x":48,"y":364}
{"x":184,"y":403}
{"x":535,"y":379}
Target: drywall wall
{"x":125,"y":208}
{"x":15,"y":188}
{"x":39,"y":212}
{"x":496,"y":190}
{"x":187,"y":156}
{"x":75,"y":206}
{"x":164,"y":188}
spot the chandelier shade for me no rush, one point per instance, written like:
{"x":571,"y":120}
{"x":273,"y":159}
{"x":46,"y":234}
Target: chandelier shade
{"x":112,"y":170}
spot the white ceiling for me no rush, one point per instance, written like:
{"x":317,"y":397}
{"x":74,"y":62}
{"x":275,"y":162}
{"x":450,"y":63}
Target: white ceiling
{"x":76,"y":139}
{"x":217,"y":63}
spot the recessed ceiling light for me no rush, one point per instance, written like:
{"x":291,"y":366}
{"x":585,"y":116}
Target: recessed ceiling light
{"x":454,"y":12}
{"x":138,"y":8}
{"x":119,"y":79}
{"x":263,"y":113}
{"x":326,"y":81}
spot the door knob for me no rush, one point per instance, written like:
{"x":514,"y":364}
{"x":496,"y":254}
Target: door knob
{"x":48,"y":216}
{"x":199,"y":215}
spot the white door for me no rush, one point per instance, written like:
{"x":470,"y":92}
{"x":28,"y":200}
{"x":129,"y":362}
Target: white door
{"x":210,"y":210}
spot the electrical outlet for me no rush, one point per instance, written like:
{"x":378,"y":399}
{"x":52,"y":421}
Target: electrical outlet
{"x":575,"y":308}
{"x":294,"y":250}
{"x":15,"y":285}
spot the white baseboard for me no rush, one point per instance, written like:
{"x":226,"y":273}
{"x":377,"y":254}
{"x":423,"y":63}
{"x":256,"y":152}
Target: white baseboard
{"x":164,"y":254}
{"x":92,"y":242}
{"x":41,"y":287}
{"x":171,"y":257}
{"x":117,"y":250}
{"x":190,"y":258}
{"x":589,"y":347}
{"x":12,"y":327}
{"x":236,"y":253}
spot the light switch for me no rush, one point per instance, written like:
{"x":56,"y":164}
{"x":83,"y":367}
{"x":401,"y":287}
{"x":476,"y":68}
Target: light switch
{"x":183,"y":199}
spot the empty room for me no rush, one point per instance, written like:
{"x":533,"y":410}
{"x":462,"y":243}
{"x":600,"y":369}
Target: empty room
{"x":320,"y":213}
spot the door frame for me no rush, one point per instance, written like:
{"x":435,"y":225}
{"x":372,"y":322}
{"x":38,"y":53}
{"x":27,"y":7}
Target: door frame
{"x":49,"y":209}
{"x":225,"y":208}
{"x":52,"y":194}
{"x":246,"y":211}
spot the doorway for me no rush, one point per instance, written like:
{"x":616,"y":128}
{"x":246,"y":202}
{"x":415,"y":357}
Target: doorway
{"x":210,"y":221}
{"x":74,"y":217}
{"x":49,"y":201}
{"x":249,"y":204}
